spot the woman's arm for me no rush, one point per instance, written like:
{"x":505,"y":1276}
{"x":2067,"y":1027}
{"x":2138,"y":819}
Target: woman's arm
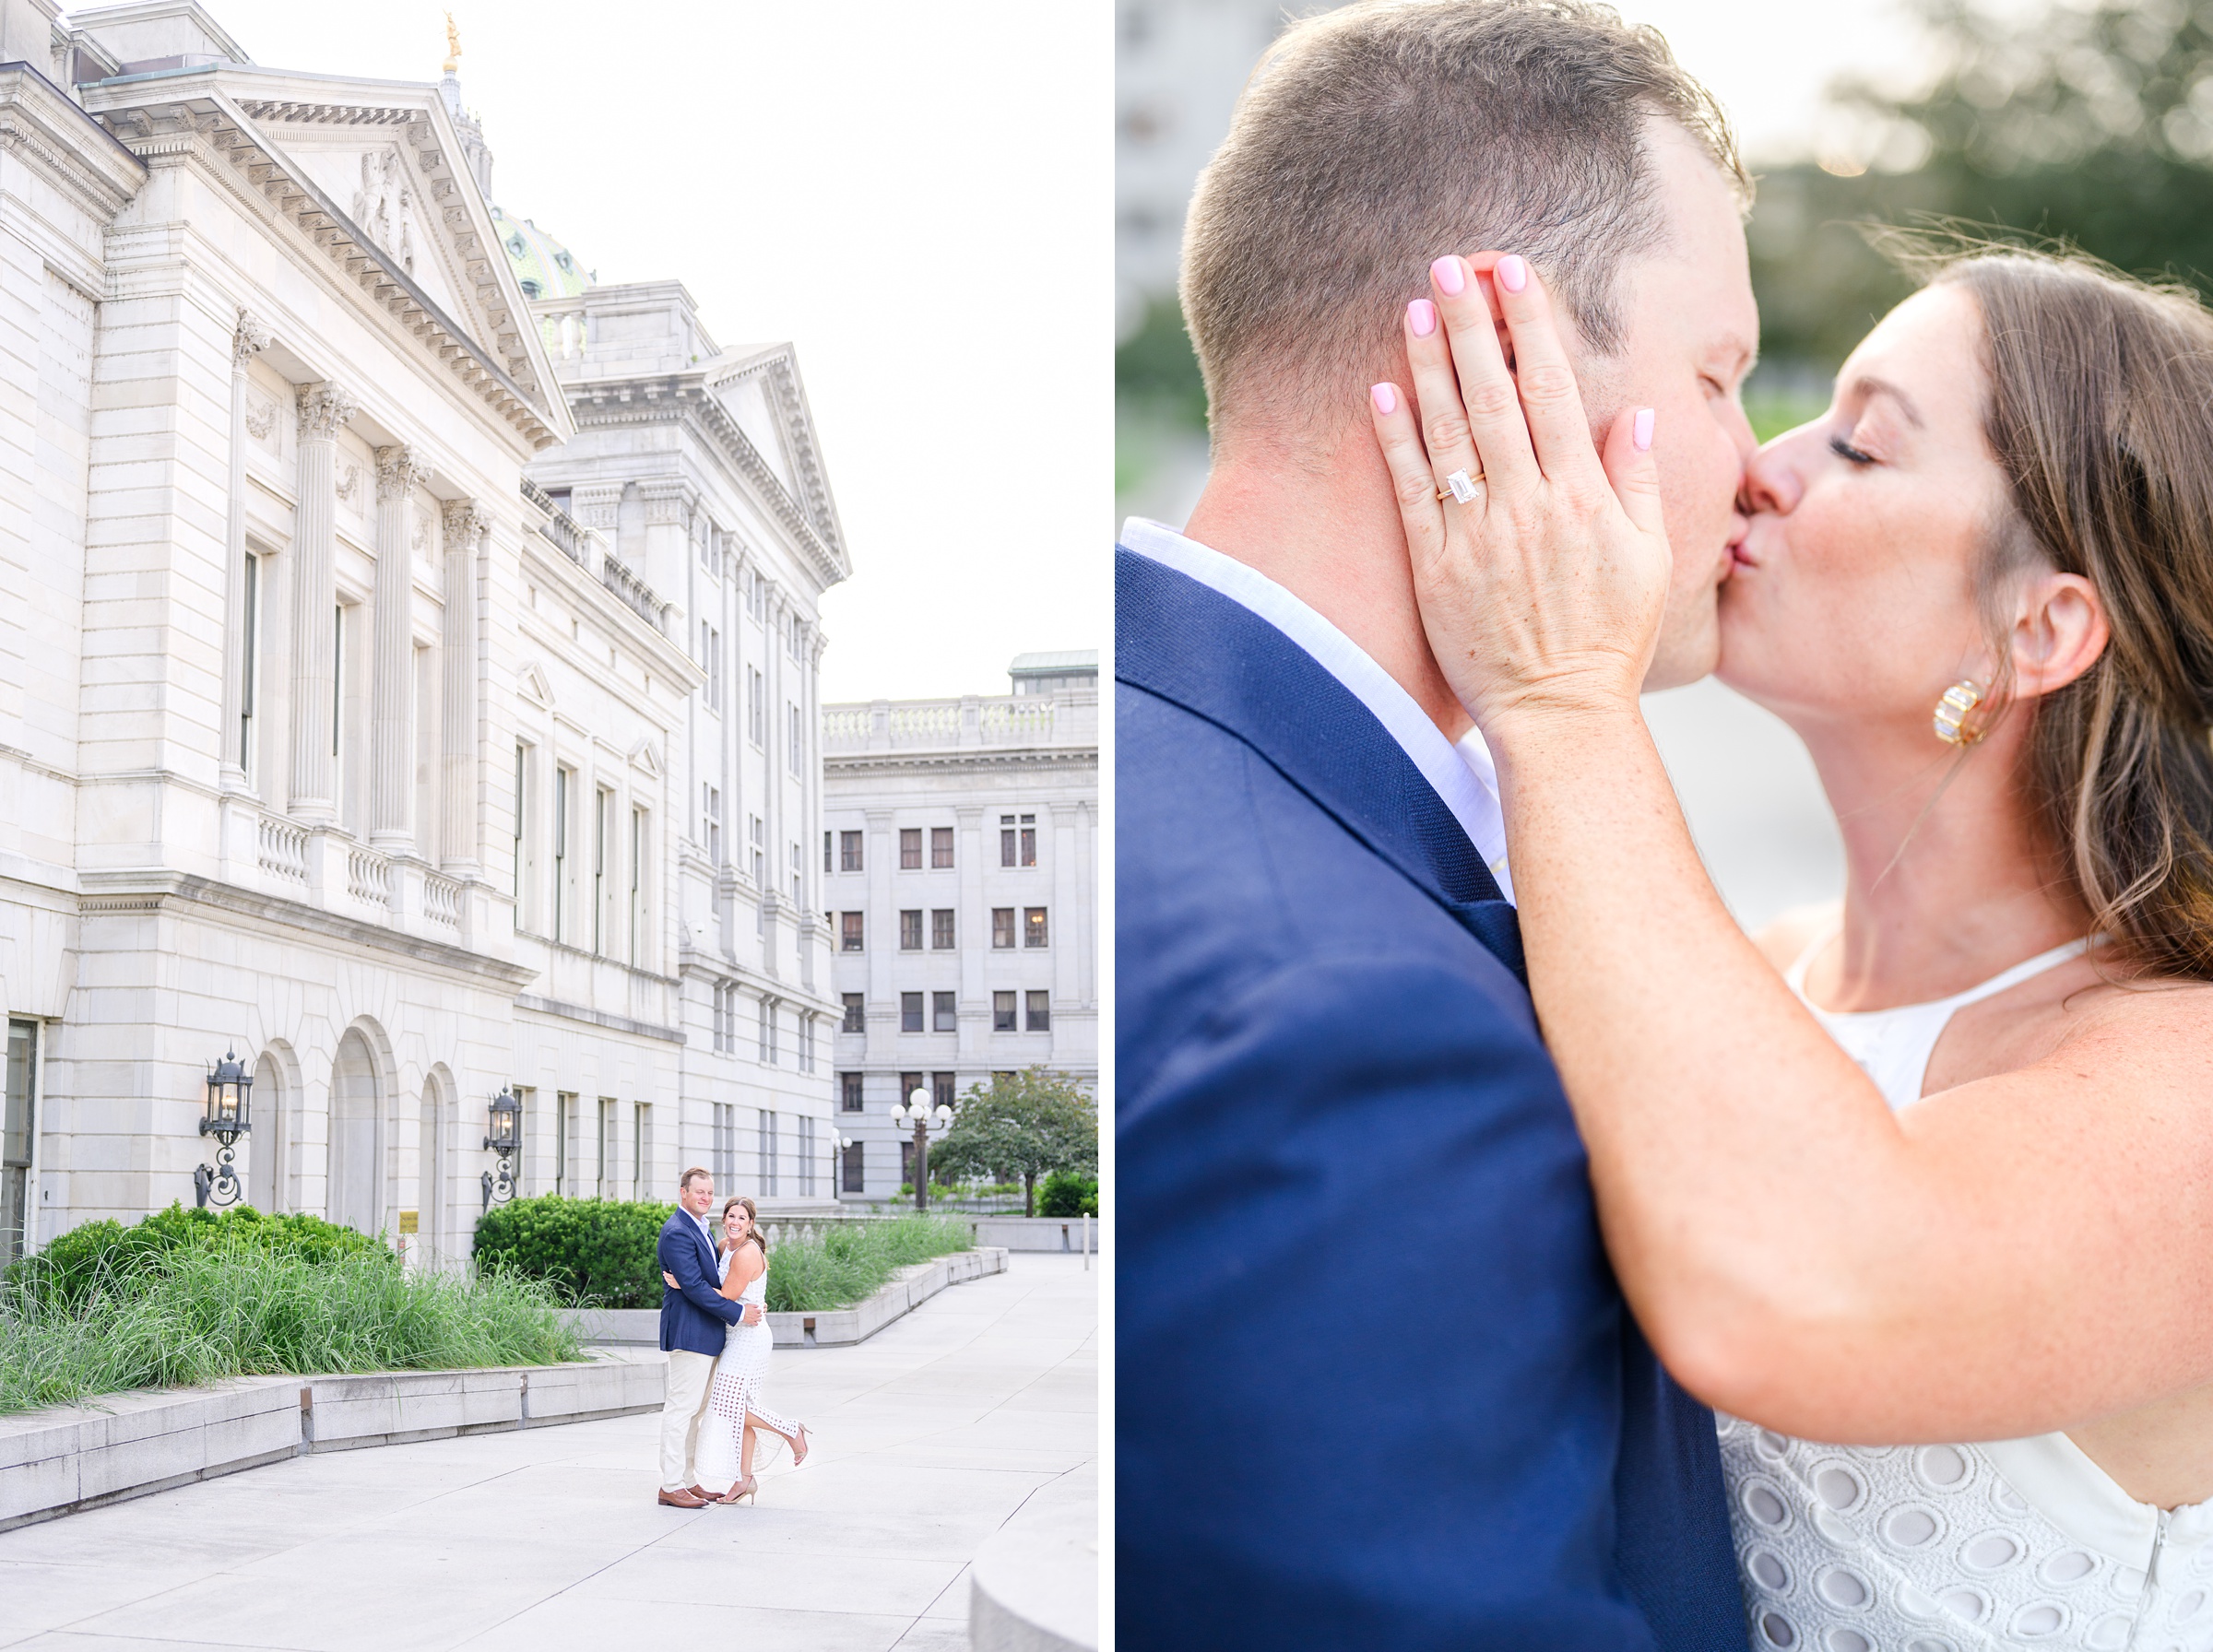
{"x":746,"y":1264}
{"x":2030,"y":1251}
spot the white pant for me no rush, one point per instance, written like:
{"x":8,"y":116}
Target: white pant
{"x":691,"y":1375}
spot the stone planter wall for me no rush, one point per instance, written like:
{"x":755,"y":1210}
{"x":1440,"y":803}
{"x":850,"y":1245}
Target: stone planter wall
{"x":829,"y":1327}
{"x":1037,"y":1232}
{"x":69,"y":1457}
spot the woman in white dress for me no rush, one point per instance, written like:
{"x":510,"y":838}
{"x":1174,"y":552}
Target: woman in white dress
{"x":1934,"y":1168}
{"x":727,"y":1446}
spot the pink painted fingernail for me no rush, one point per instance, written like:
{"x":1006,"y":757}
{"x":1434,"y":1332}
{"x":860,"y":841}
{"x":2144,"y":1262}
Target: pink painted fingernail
{"x":1513,"y":275}
{"x":1421,"y":315}
{"x":1450,"y":276}
{"x":1386,"y":397}
{"x":1640,"y":430}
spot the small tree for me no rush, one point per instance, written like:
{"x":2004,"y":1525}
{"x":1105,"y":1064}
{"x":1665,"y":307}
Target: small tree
{"x":1026,"y":1124}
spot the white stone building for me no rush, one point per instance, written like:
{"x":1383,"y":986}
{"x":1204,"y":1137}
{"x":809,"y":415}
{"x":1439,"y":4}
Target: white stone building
{"x":285,"y":622}
{"x":960,"y":855}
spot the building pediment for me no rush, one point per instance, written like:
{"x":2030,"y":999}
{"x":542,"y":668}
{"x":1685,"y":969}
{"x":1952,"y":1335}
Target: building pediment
{"x":372,"y":173}
{"x":758,"y":387}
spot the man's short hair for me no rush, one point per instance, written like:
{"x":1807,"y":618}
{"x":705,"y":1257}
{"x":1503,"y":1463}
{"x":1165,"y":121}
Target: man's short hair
{"x":695,"y":1173}
{"x":1376,"y":137}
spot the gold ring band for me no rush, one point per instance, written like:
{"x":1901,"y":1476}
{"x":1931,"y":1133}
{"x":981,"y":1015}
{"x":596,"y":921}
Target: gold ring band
{"x":1460,"y":485}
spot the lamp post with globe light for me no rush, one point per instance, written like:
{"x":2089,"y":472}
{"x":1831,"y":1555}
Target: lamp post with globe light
{"x":916,"y":1109}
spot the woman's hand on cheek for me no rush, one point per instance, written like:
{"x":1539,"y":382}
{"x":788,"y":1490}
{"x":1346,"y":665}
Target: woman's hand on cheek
{"x":1543,"y":574}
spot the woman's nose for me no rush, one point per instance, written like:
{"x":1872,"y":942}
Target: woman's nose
{"x":1775,"y":480}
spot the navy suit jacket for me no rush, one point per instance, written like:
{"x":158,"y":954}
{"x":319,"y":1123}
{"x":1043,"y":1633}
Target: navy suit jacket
{"x":694,"y":1314}
{"x":1331,"y":1090}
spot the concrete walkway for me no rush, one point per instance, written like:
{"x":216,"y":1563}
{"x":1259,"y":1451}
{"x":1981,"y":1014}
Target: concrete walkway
{"x":927,"y":1438}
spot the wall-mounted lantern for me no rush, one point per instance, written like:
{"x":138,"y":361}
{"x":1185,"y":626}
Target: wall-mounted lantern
{"x":230,"y":1102}
{"x":504,"y":1136}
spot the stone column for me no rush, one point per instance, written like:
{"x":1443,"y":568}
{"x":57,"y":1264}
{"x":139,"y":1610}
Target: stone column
{"x":392,"y":656}
{"x":464,"y":527}
{"x":323,"y":407}
{"x":248,"y":341}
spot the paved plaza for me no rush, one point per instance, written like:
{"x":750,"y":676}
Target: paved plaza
{"x":981,"y":1406}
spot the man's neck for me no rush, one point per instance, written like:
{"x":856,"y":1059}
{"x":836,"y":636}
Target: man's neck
{"x":1325,"y":526}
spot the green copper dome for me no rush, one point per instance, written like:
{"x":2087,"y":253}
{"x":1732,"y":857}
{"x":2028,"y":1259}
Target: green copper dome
{"x":545,"y":267}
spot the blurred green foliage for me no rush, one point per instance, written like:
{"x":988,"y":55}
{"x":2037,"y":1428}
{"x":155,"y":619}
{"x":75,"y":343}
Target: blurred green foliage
{"x":2089,"y":125}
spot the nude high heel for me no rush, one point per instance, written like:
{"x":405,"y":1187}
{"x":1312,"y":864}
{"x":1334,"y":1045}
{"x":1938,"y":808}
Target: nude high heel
{"x":800,"y":1446}
{"x":740,"y":1492}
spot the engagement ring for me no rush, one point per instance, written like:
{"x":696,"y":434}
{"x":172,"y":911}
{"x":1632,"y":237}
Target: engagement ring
{"x":1459,"y":486}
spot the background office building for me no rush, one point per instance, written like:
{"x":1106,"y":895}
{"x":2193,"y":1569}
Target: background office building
{"x":960,"y":874}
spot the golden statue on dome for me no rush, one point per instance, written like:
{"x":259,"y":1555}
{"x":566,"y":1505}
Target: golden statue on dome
{"x":452,"y":44}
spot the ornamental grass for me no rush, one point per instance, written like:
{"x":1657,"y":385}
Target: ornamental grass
{"x":198,"y":1313}
{"x":812,"y":1276}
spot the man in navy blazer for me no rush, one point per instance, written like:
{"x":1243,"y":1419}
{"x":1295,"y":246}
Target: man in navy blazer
{"x":1377,"y":1386}
{"x":694,"y":1315}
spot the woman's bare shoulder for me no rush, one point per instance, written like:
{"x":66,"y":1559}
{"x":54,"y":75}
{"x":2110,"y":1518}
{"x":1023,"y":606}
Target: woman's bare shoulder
{"x":1782,"y":941}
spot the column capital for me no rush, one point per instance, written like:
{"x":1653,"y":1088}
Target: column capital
{"x":398,"y":468}
{"x":464,"y":519}
{"x":323,"y":407}
{"x":248,"y":341}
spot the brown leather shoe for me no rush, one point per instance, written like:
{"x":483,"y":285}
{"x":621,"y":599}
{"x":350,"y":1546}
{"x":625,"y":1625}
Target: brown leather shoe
{"x":681,"y":1500}
{"x":700,"y":1491}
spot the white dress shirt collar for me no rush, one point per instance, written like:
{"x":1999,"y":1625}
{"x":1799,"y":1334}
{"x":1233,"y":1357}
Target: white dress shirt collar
{"x":1463,"y":774}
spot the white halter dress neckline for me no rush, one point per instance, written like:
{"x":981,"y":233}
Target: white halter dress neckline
{"x":1965,"y":1548}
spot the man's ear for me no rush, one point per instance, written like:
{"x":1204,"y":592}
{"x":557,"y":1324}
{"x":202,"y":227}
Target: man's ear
{"x":1483,"y":263}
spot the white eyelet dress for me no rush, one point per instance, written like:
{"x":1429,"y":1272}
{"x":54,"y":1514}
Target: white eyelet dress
{"x":2012,"y":1543}
{"x":735,"y":1392}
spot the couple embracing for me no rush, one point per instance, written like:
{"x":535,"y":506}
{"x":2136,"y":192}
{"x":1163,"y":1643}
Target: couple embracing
{"x":714,"y":1331}
{"x":1516,"y":1254}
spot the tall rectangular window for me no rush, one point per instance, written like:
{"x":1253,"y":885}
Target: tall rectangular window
{"x":941,"y":930}
{"x":848,"y":1093}
{"x":1002,"y":927}
{"x":910,"y":930}
{"x":1029,"y":839}
{"x":1002,"y":1013}
{"x":603,"y":825}
{"x":827,"y":866}
{"x":851,"y":930}
{"x":910,"y":1012}
{"x":940,"y":1090}
{"x":795,"y":749}
{"x":855,"y":1170}
{"x":806,"y":1156}
{"x":940,"y":847}
{"x":1007,"y":840}
{"x":849,"y":852}
{"x":856,"y":1017}
{"x":517,"y":889}
{"x":755,"y":718}
{"x":797,"y":880}
{"x":910,"y":848}
{"x":908,"y":1084}
{"x":1033,"y":926}
{"x":637,"y":888}
{"x":565,"y":1121}
{"x":609,"y":1151}
{"x":251,"y":619}
{"x":1040,"y":1009}
{"x":640,"y":1149}
{"x":769,"y":1151}
{"x":561,"y":850}
{"x":757,"y":843}
{"x":943,"y":1016}
{"x":710,"y":665}
{"x":19,"y":1137}
{"x":768,"y":1032}
{"x":726,"y":1143}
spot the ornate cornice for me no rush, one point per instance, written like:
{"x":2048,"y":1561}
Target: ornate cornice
{"x":199,"y":123}
{"x":398,"y":468}
{"x":323,"y":407}
{"x":40,"y":124}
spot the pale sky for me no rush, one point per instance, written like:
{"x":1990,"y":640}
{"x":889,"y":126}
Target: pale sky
{"x":917,"y":197}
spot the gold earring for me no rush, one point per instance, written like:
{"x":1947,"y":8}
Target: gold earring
{"x":1952,"y":712}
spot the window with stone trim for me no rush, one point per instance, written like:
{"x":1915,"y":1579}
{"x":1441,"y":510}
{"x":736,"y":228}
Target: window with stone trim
{"x":1040,"y":1011}
{"x":943,"y":1015}
{"x":910,"y":1012}
{"x":910,"y":930}
{"x":856,"y":1017}
{"x":850,"y":929}
{"x":1033,"y":926}
{"x":940,"y":847}
{"x":849,"y":852}
{"x":910,"y":848}
{"x":1002,"y":928}
{"x":848,"y":1093}
{"x":1003,"y":1019}
{"x":941,"y":930}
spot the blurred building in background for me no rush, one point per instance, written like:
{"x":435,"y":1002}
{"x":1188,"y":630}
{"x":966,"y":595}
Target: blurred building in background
{"x":960,"y":864}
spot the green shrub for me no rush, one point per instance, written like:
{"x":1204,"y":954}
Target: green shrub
{"x":595,"y":1252}
{"x":108,"y":1255}
{"x":198,"y":1312}
{"x":1064,"y":1193}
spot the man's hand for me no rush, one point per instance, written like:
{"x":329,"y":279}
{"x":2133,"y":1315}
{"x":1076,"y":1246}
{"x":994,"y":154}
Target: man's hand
{"x":1541,"y":585}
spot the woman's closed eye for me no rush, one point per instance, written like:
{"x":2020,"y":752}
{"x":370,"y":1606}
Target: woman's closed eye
{"x":1851,"y":455}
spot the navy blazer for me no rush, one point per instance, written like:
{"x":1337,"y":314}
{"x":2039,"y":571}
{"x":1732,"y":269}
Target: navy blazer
{"x":694,"y":1314}
{"x":1331,"y":1090}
